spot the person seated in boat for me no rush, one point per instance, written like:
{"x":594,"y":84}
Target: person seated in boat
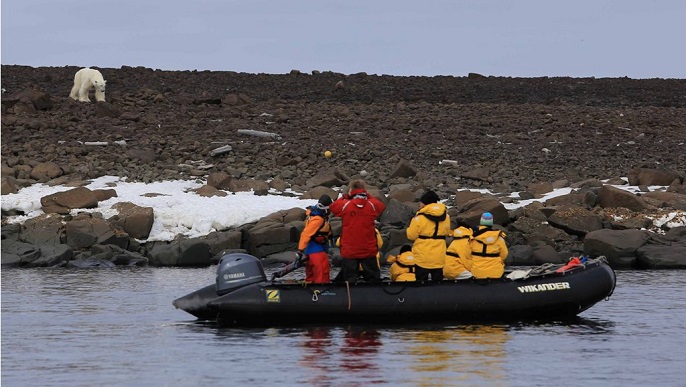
{"x":314,"y":241}
{"x":428,"y":229}
{"x":489,"y":250}
{"x":358,"y":211}
{"x":458,"y":260}
{"x":402,"y":265}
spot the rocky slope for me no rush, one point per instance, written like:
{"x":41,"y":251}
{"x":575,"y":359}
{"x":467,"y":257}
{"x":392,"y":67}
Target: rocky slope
{"x":402,"y":134}
{"x":504,"y":133}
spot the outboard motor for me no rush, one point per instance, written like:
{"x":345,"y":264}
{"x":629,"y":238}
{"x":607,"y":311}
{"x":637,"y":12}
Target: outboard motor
{"x":237,"y":270}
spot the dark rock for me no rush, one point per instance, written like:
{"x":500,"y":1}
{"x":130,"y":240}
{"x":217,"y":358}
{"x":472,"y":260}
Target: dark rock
{"x":187,"y":252}
{"x":649,"y":176}
{"x":609,"y":197}
{"x":619,"y":246}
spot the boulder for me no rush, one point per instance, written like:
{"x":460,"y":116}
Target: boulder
{"x":46,"y":171}
{"x":662,"y":256}
{"x":520,"y":255}
{"x":63,"y":202}
{"x":403,"y":169}
{"x":397,"y":214}
{"x":329,"y":178}
{"x":575,"y":220}
{"x":609,"y":197}
{"x":219,"y":241}
{"x":650,"y":176}
{"x":260,"y":188}
{"x":472,"y":211}
{"x":45,"y":229}
{"x":52,"y":255}
{"x":188,"y":252}
{"x":135,"y":220}
{"x":85,"y":231}
{"x":619,"y":246}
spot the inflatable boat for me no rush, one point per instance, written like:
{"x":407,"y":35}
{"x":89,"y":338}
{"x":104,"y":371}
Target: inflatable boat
{"x":242,"y":295}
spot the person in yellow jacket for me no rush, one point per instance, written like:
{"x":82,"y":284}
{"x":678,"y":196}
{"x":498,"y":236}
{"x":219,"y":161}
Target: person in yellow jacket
{"x":489,"y":249}
{"x":458,"y":260}
{"x":402,"y":265}
{"x":428,"y":229}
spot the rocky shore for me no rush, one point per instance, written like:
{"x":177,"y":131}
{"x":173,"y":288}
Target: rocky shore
{"x":239,"y":131}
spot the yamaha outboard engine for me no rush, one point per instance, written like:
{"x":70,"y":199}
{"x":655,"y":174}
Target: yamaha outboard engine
{"x":237,"y":270}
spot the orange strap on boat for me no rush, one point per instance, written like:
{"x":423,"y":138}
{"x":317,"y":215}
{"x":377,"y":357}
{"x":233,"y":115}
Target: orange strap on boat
{"x":350,"y":301}
{"x":572,"y":263}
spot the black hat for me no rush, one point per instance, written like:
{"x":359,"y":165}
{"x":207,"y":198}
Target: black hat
{"x":429,"y":197}
{"x":324,"y":202}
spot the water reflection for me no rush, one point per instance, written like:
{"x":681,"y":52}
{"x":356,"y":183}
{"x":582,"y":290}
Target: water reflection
{"x":458,"y":355}
{"x":317,"y":347}
{"x":418,"y":355}
{"x":354,"y":356}
{"x":576,"y":326}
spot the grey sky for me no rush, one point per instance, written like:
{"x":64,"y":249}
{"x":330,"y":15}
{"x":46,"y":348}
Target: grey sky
{"x":601,"y":38}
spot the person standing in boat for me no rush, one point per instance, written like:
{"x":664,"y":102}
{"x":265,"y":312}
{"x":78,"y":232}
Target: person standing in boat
{"x":358,"y":211}
{"x":402,"y":266}
{"x":314,"y":241}
{"x":489,"y":250}
{"x":458,"y":260}
{"x":428,"y":229}
{"x":379,"y":245}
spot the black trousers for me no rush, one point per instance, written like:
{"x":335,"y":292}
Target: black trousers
{"x":422,"y":274}
{"x":350,"y":270}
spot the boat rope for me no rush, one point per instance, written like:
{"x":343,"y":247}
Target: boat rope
{"x":350,"y":301}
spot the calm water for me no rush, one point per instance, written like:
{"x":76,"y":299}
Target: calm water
{"x":118,"y":328}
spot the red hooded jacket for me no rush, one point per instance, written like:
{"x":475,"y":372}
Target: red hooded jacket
{"x":358,"y":210}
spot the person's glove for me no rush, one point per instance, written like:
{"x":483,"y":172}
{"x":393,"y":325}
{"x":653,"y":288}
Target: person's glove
{"x":299,"y":259}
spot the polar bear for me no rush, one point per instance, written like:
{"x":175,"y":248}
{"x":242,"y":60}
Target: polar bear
{"x":85,"y":80}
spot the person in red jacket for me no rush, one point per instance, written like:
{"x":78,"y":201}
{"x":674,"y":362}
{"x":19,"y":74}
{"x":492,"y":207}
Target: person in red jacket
{"x":358,"y":211}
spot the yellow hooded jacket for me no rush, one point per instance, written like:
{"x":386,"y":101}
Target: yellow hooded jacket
{"x":489,"y":252}
{"x":459,"y":254}
{"x":402,"y":268}
{"x":428,"y":230}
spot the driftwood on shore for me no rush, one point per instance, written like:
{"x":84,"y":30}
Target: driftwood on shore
{"x":220,"y":150}
{"x":259,"y":133}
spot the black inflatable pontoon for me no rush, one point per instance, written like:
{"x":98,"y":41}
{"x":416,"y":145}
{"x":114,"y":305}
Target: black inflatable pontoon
{"x":242,"y":295}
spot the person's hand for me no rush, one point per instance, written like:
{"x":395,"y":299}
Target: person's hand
{"x":298,"y":258}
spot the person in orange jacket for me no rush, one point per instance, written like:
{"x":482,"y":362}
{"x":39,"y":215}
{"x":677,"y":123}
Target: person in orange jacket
{"x":314,"y":241}
{"x":358,"y":211}
{"x":402,"y":265}
{"x":458,"y":260}
{"x":489,"y":250}
{"x":428,"y":229}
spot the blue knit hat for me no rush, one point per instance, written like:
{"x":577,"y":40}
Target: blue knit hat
{"x":486,"y":219}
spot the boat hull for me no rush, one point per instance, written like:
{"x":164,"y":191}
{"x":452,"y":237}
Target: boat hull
{"x":544,"y":297}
